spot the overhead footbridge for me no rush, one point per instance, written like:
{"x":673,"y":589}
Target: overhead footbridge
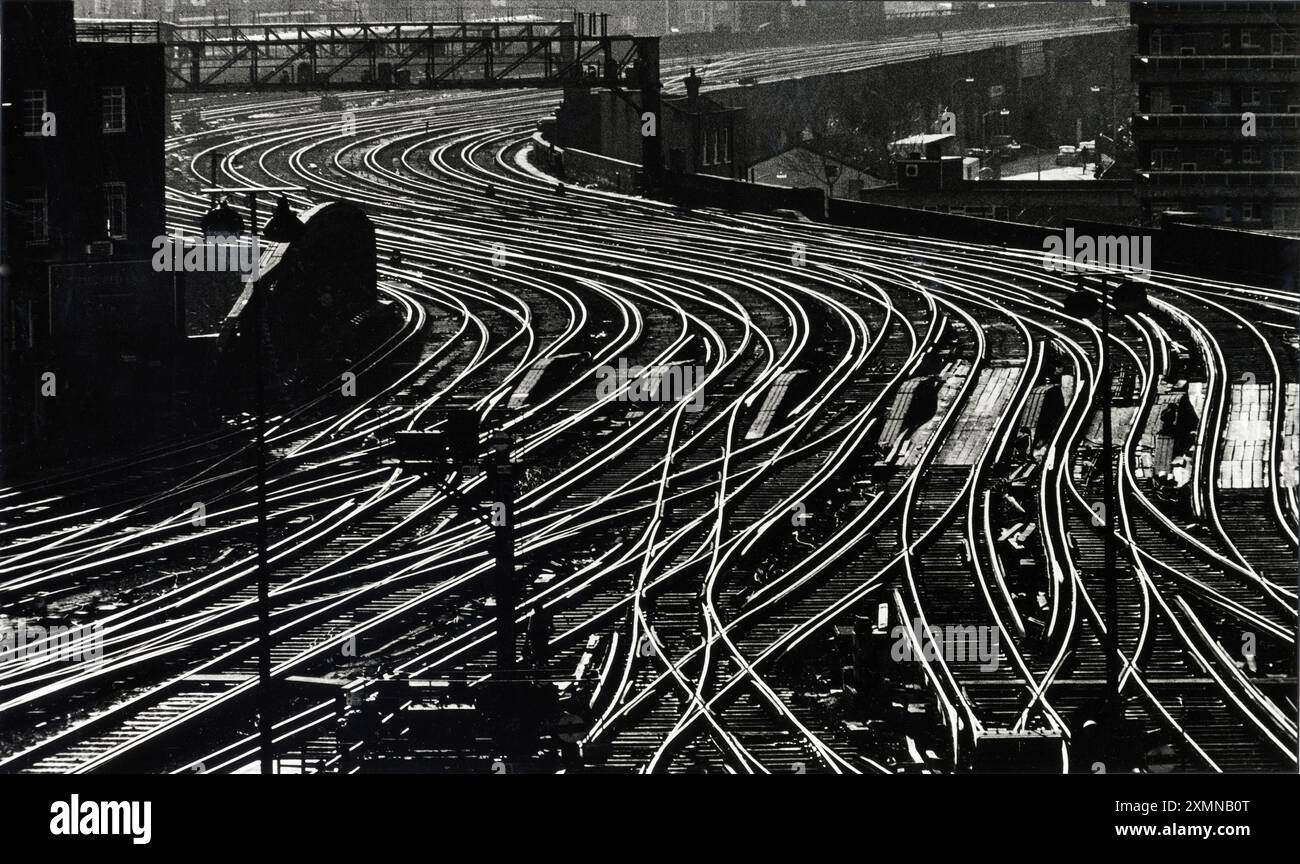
{"x":366,"y":55}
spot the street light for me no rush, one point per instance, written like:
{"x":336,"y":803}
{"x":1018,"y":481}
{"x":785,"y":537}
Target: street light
{"x":1038,"y":158}
{"x":1096,"y":88}
{"x":1129,"y":298}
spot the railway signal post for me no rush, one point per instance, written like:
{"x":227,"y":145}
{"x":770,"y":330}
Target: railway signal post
{"x":455,"y":444}
{"x":504,"y":590}
{"x":510,"y":700}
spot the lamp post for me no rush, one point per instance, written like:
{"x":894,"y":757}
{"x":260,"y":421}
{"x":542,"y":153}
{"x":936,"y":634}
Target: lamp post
{"x":1128,"y":297}
{"x":1038,"y":158}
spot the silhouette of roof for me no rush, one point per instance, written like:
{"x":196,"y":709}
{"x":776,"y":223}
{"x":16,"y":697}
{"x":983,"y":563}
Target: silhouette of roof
{"x":698,"y":105}
{"x":806,"y":146}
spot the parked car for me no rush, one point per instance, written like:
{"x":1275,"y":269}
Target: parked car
{"x":1067,"y":154}
{"x":1005,"y":146}
{"x":790,"y":215}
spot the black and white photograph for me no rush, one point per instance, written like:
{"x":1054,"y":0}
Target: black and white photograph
{"x":496,"y":387}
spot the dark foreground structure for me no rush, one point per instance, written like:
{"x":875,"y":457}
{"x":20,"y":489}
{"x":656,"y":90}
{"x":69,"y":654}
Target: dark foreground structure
{"x":85,"y":319}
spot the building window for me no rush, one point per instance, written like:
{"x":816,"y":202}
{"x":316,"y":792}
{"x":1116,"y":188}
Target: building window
{"x":1250,"y":96}
{"x":1247,"y":212}
{"x":114,"y":115}
{"x":1286,"y":158}
{"x":725,"y":136}
{"x":704,"y":148}
{"x":1248,"y":39}
{"x":37,"y":204}
{"x":115,"y":210}
{"x":1286,"y":216}
{"x":1249,"y":156}
{"x":33,"y":111}
{"x":1165,"y":159}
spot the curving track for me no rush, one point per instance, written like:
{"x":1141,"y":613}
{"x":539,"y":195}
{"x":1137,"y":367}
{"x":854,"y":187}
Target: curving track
{"x":699,"y":570}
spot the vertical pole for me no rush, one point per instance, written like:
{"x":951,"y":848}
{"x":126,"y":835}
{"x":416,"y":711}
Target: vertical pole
{"x":1108,"y":540}
{"x":1114,"y":129}
{"x":503,"y":549}
{"x":652,"y":165}
{"x":263,"y":599}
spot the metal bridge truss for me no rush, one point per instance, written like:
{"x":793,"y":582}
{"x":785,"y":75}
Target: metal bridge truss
{"x":397,"y":55}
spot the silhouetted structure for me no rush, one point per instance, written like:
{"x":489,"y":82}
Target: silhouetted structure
{"x":83,"y":198}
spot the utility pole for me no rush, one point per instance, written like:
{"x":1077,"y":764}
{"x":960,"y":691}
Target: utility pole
{"x":1130,"y":298}
{"x":264,"y":737}
{"x":1108,"y":538}
{"x":284,"y":227}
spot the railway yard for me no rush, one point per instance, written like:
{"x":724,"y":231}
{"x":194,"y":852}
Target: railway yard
{"x":888,"y":435}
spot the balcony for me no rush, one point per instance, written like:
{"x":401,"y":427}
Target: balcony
{"x":1222,"y":184}
{"x":1215,"y":68}
{"x":1188,"y":14}
{"x":1213,"y":127}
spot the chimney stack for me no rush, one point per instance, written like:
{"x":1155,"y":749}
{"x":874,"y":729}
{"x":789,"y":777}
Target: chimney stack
{"x":692,"y":85}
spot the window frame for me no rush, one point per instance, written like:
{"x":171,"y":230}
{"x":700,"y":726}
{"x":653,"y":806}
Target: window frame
{"x":33,"y":195}
{"x":30,"y":130}
{"x":109,"y":188}
{"x":106,"y":95}
{"x":1279,"y":157}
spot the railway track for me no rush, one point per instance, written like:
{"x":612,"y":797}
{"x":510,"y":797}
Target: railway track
{"x":866,"y":445}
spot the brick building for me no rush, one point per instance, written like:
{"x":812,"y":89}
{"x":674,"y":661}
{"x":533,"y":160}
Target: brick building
{"x":83,"y":180}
